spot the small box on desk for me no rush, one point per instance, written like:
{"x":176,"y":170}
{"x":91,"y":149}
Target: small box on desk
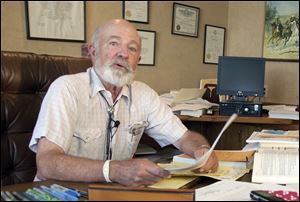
{"x":241,"y":108}
{"x":99,"y":192}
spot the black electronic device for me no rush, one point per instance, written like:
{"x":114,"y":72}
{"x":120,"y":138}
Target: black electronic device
{"x":261,"y":195}
{"x":240,"y":108}
{"x":241,"y":76}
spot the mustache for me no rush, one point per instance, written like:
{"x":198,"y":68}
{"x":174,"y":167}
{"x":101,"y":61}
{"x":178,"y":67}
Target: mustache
{"x":121,"y":62}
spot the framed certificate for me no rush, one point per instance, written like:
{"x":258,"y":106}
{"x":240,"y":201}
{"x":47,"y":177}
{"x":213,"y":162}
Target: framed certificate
{"x":185,"y":20}
{"x":148,"y":47}
{"x":55,"y":20}
{"x":136,"y":11}
{"x":214,"y":42}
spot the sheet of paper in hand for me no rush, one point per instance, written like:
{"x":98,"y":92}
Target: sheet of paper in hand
{"x":202,"y":160}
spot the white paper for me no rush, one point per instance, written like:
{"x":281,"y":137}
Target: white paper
{"x":202,"y":160}
{"x":188,"y":94}
{"x":279,"y":166}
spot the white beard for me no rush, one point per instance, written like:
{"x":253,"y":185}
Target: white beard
{"x":117,"y":77}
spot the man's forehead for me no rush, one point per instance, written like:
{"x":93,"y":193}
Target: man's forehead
{"x":120,"y":38}
{"x":118,"y":32}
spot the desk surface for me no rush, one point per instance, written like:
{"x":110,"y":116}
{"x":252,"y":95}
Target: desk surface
{"x":254,"y":120}
{"x":164,"y":156}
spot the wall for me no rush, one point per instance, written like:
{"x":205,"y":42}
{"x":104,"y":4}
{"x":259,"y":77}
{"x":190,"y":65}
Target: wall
{"x":245,"y":38}
{"x":178,"y":58}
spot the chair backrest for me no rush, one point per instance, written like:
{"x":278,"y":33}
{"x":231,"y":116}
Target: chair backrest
{"x":25,"y":79}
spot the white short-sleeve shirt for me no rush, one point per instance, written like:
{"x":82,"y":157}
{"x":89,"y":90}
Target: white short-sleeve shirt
{"x":74,"y":116}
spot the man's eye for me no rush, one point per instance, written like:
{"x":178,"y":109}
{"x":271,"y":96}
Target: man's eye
{"x":113,"y":43}
{"x":132,"y":49}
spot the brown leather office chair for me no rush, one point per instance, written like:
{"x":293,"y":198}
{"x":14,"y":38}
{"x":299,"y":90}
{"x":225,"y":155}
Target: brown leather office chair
{"x":25,"y":79}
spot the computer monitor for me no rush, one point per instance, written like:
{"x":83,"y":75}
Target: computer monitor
{"x":240,"y":77}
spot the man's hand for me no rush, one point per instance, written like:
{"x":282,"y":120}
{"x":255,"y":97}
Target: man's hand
{"x":211,"y":164}
{"x":136,"y":172}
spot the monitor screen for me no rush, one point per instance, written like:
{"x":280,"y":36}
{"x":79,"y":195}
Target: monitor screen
{"x":241,"y":76}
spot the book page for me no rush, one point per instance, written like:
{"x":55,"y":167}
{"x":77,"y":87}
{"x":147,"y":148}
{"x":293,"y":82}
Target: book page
{"x":279,"y":165}
{"x":202,"y":160}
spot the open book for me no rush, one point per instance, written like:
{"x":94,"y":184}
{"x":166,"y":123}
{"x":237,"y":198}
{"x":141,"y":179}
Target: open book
{"x":202,"y":160}
{"x":276,"y":165}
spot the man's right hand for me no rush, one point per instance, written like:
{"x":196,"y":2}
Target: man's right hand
{"x":136,"y":172}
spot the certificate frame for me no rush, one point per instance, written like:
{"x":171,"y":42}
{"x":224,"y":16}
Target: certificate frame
{"x":214,"y":43}
{"x":56,"y":21}
{"x":136,"y":11}
{"x":185,"y":20}
{"x":148,"y":38}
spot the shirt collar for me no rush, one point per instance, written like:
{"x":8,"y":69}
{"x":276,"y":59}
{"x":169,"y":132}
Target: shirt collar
{"x":96,"y":85}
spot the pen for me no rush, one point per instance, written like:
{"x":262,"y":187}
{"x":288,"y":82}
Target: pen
{"x":5,"y":197}
{"x":46,"y":196}
{"x":37,"y":195}
{"x":82,"y":193}
{"x":32,"y":196}
{"x":50,"y":191}
{"x":10,"y":196}
{"x":61,"y":195}
{"x":20,"y":196}
{"x":65,"y":190}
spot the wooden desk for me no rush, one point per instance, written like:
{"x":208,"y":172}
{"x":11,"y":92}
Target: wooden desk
{"x":181,"y":194}
{"x":235,"y":136}
{"x":248,"y":120}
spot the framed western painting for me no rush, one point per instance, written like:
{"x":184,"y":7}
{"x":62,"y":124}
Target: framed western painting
{"x":281,"y":33}
{"x":214,"y":43}
{"x":185,"y":20}
{"x":55,"y":20}
{"x":148,"y":47}
{"x":136,"y":11}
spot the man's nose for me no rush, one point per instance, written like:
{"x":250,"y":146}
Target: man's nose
{"x":123,"y":52}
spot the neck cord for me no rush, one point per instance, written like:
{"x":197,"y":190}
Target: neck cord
{"x":110,"y":110}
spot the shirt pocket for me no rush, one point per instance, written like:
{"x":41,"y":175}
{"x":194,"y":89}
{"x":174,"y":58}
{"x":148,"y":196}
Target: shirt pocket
{"x":88,"y":135}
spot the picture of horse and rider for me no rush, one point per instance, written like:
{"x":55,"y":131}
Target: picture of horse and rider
{"x":281,"y":39}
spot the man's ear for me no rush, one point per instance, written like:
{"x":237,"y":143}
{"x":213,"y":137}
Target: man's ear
{"x":92,"y":52}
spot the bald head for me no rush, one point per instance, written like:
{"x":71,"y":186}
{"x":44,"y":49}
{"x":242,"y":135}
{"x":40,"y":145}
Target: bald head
{"x":115,"y":50}
{"x":110,"y":26}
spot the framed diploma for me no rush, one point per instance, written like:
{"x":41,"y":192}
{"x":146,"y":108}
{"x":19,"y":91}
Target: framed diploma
{"x":55,"y":20}
{"x":136,"y":11}
{"x":214,"y":42}
{"x":185,"y":20}
{"x":148,"y":47}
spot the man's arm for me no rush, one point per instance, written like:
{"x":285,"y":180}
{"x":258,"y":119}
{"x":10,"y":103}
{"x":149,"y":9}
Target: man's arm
{"x":53,"y":163}
{"x":195,"y":145}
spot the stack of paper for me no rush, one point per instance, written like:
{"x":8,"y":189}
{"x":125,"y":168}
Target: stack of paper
{"x":187,"y":101}
{"x":271,"y":138}
{"x":282,"y":112}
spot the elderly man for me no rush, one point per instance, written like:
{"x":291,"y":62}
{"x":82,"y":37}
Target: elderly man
{"x":90,"y":123}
